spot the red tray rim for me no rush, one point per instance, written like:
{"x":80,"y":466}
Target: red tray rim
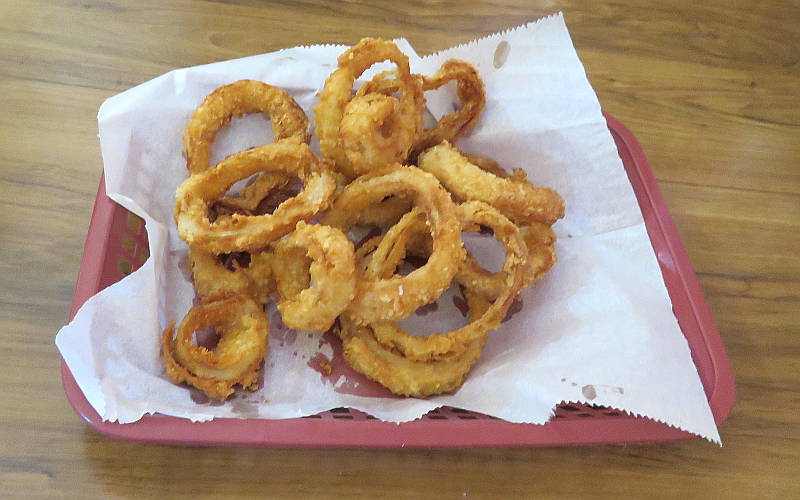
{"x":322,"y":433}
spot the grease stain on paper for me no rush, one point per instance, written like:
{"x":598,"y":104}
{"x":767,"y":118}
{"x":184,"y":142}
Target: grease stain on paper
{"x":591,"y":391}
{"x":501,"y":54}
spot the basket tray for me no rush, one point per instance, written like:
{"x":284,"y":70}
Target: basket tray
{"x":116,"y":245}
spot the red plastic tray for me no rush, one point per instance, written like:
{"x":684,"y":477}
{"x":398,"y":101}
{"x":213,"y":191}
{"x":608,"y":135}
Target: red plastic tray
{"x":116,"y":244}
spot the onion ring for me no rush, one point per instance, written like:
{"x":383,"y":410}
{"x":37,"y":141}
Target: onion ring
{"x":251,"y":232}
{"x":399,"y":374}
{"x":470,"y":91}
{"x":213,"y":278}
{"x":522,"y":202}
{"x":289,"y":121}
{"x":236,"y":359}
{"x":442,"y":345}
{"x":395,"y":298}
{"x":364,"y":133}
{"x":332,"y":270}
{"x":539,"y":240}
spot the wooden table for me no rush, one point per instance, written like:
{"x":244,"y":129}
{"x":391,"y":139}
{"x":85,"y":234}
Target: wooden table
{"x":710,"y":91}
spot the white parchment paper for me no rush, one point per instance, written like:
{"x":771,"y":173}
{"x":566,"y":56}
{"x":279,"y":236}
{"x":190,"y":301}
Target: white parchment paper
{"x":598,"y":328}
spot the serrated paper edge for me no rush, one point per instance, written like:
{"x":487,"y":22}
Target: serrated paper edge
{"x":505,"y":32}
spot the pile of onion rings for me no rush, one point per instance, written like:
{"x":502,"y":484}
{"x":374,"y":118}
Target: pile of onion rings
{"x":379,"y":168}
{"x":235,"y":240}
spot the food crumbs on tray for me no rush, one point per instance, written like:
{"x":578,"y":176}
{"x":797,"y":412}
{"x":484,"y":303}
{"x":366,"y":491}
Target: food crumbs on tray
{"x":325,"y":368}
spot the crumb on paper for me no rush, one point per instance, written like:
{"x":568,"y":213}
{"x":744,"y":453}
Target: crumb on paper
{"x":325,"y":368}
{"x":321,"y":363}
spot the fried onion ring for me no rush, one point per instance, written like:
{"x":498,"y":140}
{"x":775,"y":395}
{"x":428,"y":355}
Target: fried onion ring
{"x":365,"y":133}
{"x":332,"y":270}
{"x":212,"y":279}
{"x":239,"y":232}
{"x":399,"y":374}
{"x":289,"y":121}
{"x":237,"y":358}
{"x":442,"y":345}
{"x":470,"y":91}
{"x":394,"y":298}
{"x":522,"y":202}
{"x":539,"y":240}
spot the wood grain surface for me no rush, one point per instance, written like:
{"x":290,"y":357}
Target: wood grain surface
{"x":709,"y":88}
